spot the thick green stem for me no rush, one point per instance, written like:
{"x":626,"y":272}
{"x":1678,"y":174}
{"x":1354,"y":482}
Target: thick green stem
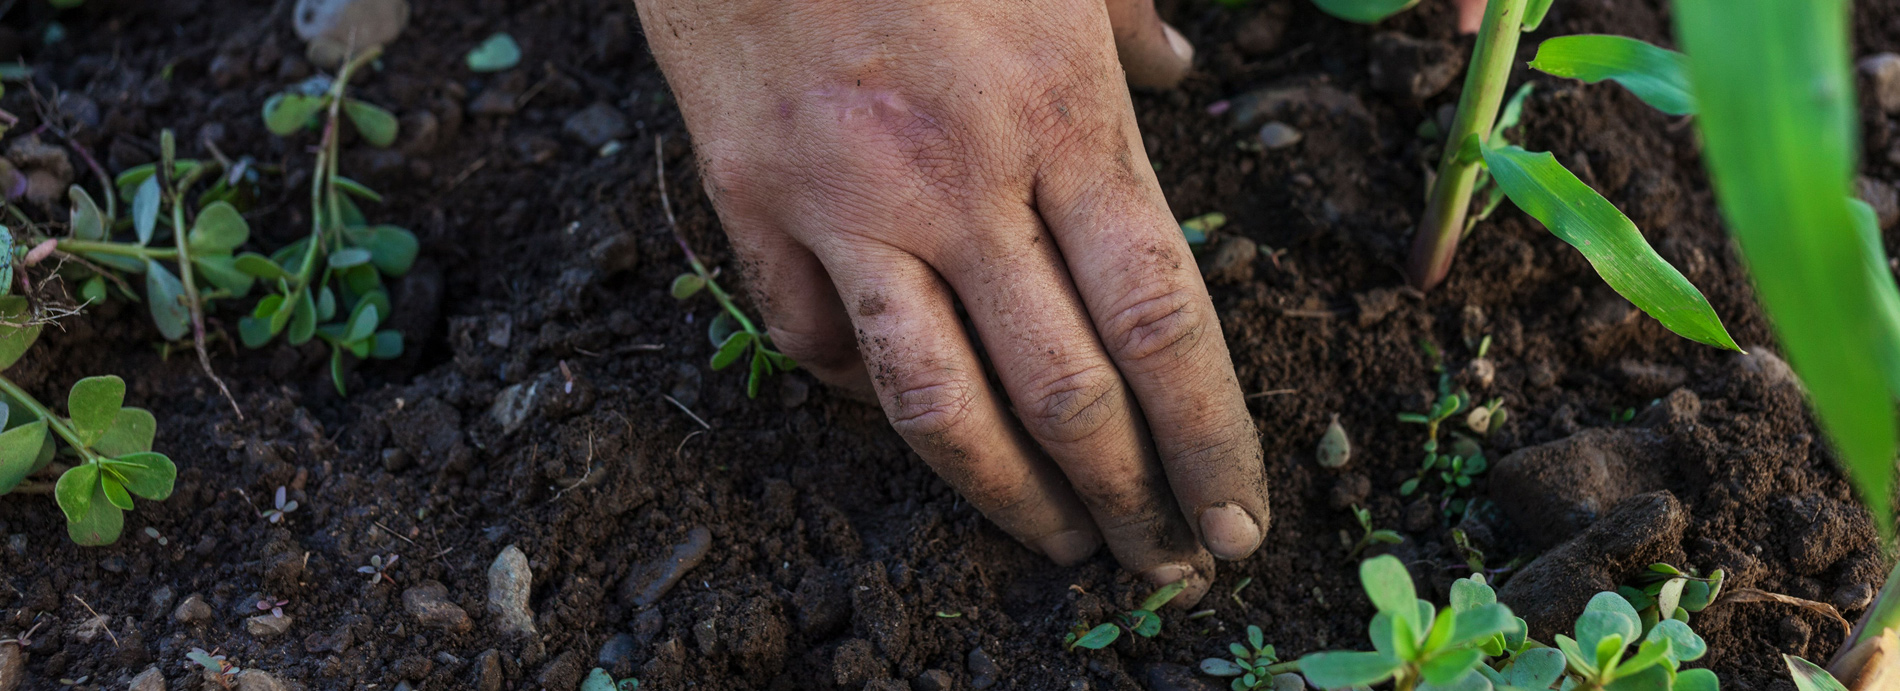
{"x":115,"y":248}
{"x":692,"y":258}
{"x":53,"y":422}
{"x":1444,"y":221}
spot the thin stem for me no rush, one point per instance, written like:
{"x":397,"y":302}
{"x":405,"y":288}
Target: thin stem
{"x":122,"y":249}
{"x":699,"y":268}
{"x":53,"y":422}
{"x":1438,"y":234}
{"x":175,"y":189}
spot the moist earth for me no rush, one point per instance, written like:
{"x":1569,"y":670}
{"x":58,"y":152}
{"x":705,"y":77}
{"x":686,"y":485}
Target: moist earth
{"x":554,"y":509}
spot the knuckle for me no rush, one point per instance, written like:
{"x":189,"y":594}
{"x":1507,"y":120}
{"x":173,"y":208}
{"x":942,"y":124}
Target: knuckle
{"x":1217,"y":455}
{"x":923,"y":407}
{"x":1162,"y":326}
{"x":1073,"y":405}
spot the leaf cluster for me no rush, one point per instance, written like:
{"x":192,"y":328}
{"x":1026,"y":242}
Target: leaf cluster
{"x":1254,"y":666}
{"x":1667,"y":592}
{"x":1143,"y":621}
{"x":1370,"y":536}
{"x":734,"y":338}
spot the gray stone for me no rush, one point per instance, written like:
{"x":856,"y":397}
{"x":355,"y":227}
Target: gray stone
{"x":1166,"y":677}
{"x":1231,"y":261}
{"x":267,"y":625}
{"x":596,"y":125}
{"x":1763,"y":363}
{"x":334,"y":27}
{"x":258,"y":680}
{"x":648,"y":582}
{"x":1279,"y":135}
{"x":159,"y":601}
{"x":494,"y":101}
{"x":429,"y":604}
{"x":616,"y":655}
{"x":12,"y":667}
{"x":509,"y":582}
{"x":933,"y":680}
{"x":983,"y":671}
{"x":1884,"y":70}
{"x":1550,"y":592}
{"x":192,"y":611}
{"x":149,"y":680}
{"x":92,"y":628}
{"x":513,"y":404}
{"x":488,"y":674}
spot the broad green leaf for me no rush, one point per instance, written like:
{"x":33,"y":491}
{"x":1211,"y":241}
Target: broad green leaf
{"x":1649,"y":653}
{"x":88,"y":222}
{"x":1886,"y":295}
{"x":132,"y":431}
{"x":1534,"y":11}
{"x":1536,"y":668}
{"x":1778,"y":120}
{"x":1685,"y":645}
{"x":1610,"y":650}
{"x":218,"y":230}
{"x":99,"y":524}
{"x":221,"y":270}
{"x":1704,"y":680}
{"x":303,"y":319}
{"x":392,"y":249}
{"x":1573,"y":653}
{"x":356,"y":188}
{"x":75,"y":489}
{"x":1659,"y":76}
{"x":1450,"y":666}
{"x":1364,"y":11}
{"x":730,"y":350}
{"x":1578,"y":215}
{"x":1472,"y":680}
{"x":377,"y":126}
{"x":1607,"y":613}
{"x":686,"y":285}
{"x":1482,"y":622}
{"x":14,"y":340}
{"x":147,"y":474}
{"x":387,"y":345}
{"x":1652,"y":678}
{"x":1807,"y":676}
{"x":145,"y":209}
{"x":93,"y":404}
{"x":1099,"y":637}
{"x":20,"y":452}
{"x":1443,"y":626}
{"x":1389,"y":586}
{"x":1145,"y":623}
{"x":363,"y":322}
{"x":348,"y":257}
{"x":286,"y":113}
{"x":496,"y":53}
{"x":165,"y":296}
{"x":1339,"y":670}
{"x":114,"y":490}
{"x":1163,"y":595}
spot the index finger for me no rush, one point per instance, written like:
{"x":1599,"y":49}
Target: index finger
{"x":1142,"y":288}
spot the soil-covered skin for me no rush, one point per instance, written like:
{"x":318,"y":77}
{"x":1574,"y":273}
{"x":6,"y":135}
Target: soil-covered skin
{"x":532,"y":409}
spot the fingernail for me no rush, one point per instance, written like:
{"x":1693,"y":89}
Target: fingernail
{"x":1228,"y":531}
{"x":1169,"y":573}
{"x":1069,"y":547}
{"x":1179,"y":43}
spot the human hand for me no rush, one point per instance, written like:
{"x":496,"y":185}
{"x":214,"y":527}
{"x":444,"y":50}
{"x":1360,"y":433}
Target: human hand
{"x":875,"y":163}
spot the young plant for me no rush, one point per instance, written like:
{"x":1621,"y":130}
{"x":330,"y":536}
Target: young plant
{"x":1254,"y":666}
{"x":378,"y":568}
{"x":107,"y":457}
{"x":600,"y":680}
{"x":1415,"y":644}
{"x":216,"y":668}
{"x":280,"y":508}
{"x":1143,"y":622}
{"x":733,"y":334}
{"x":1671,"y":593}
{"x":275,"y":607}
{"x":1370,"y":536}
{"x":1599,"y":657}
{"x":337,"y":271}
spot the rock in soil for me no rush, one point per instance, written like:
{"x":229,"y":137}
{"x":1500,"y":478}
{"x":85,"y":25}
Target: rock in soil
{"x":649,"y":581}
{"x":12,"y":667}
{"x":1551,"y":591}
{"x":193,"y":610}
{"x":258,"y":680}
{"x":596,"y":125}
{"x":488,"y":671}
{"x":1231,"y":262}
{"x":563,"y":673}
{"x":616,"y":655}
{"x":933,"y":680}
{"x":509,"y":582}
{"x":1261,"y":33}
{"x":333,"y":27}
{"x":429,"y":604}
{"x":1165,"y":677}
{"x":1413,"y":67}
{"x":1551,"y":491}
{"x":983,"y":671}
{"x":1884,"y":70}
{"x":267,"y":625}
{"x":149,"y":680}
{"x":1824,"y":531}
{"x":1279,"y":135}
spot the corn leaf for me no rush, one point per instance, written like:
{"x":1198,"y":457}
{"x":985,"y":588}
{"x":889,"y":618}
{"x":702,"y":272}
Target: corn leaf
{"x":1886,"y":296}
{"x":1659,"y":76}
{"x":1811,"y":677}
{"x":1534,"y":12}
{"x":1364,"y":11}
{"x":1778,"y":122}
{"x":1577,"y":214}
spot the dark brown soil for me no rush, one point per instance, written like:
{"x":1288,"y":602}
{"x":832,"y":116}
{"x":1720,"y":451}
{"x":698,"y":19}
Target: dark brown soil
{"x":836,"y":558}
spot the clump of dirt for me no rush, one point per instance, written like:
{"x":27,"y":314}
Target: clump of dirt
{"x":792,"y":541}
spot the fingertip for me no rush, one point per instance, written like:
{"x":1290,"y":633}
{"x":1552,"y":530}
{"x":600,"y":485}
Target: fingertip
{"x":1069,"y":547}
{"x":1182,"y":48}
{"x":1229,"y":531}
{"x":1198,"y":578}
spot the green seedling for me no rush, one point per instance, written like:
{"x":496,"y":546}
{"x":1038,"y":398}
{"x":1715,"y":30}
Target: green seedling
{"x":215,"y":667}
{"x":1196,"y":229}
{"x":1370,"y":536}
{"x":106,"y":458}
{"x":1476,"y":151}
{"x":280,"y":508}
{"x":1415,"y":644}
{"x":1254,"y":666}
{"x":496,"y":53}
{"x":733,"y":334}
{"x":378,"y":568}
{"x":1599,"y":657}
{"x":1143,"y":622}
{"x":600,"y":680}
{"x":1667,"y":592}
{"x":337,"y":272}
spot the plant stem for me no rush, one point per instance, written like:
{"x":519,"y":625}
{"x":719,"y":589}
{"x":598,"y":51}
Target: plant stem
{"x":175,"y":190}
{"x":699,"y":268}
{"x":122,"y":249}
{"x":53,"y":422}
{"x":1444,"y":222}
{"x":1284,"y":667}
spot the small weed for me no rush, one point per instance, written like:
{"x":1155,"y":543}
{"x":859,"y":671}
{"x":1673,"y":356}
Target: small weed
{"x":1370,"y":536}
{"x":378,"y":568}
{"x":276,"y":607}
{"x":1143,"y":622}
{"x":1196,"y":229}
{"x":216,"y":668}
{"x":280,"y":508}
{"x":1667,"y":592}
{"x":600,"y":680}
{"x":1254,"y":666}
{"x":496,"y":53}
{"x":1457,"y":469}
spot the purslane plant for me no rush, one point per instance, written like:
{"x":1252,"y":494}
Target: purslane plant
{"x":101,"y":449}
{"x":1254,"y":666}
{"x":1143,"y":621}
{"x":1369,"y":536}
{"x":337,"y":272}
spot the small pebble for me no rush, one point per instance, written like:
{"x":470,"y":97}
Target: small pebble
{"x":1279,"y":135}
{"x":192,"y":611}
{"x":12,"y":667}
{"x":429,"y":604}
{"x":258,"y":680}
{"x":509,"y":583}
{"x":983,"y":671}
{"x":149,"y":680}
{"x":933,"y":680}
{"x":267,"y":625}
{"x":1853,"y":597}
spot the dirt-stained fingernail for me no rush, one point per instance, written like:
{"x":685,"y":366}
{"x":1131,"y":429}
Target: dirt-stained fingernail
{"x":1069,"y":547}
{"x":1169,"y":573}
{"x":1179,"y":43}
{"x":1229,"y":531}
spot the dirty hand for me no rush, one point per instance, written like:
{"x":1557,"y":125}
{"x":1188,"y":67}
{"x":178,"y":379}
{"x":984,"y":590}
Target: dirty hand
{"x":874,"y":163}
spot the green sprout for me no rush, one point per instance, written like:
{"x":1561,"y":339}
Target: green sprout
{"x":496,"y":53}
{"x":337,"y":271}
{"x":1671,"y":593}
{"x":1143,"y":622}
{"x":600,"y":680}
{"x":1416,"y":645}
{"x":1370,"y":536}
{"x":1598,"y":658}
{"x":1254,"y":666}
{"x":107,"y":456}
{"x":216,"y":668}
{"x":733,"y":334}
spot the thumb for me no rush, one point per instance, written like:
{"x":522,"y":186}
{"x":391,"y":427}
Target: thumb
{"x":1152,"y":53}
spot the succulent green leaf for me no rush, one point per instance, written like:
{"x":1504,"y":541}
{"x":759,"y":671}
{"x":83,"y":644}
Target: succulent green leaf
{"x":1578,"y":215}
{"x":1339,"y":670}
{"x":1651,"y":678}
{"x":1470,"y":593}
{"x":496,"y":53}
{"x":1594,"y":626}
{"x":1685,"y":645}
{"x":88,"y":222}
{"x":222,"y":271}
{"x":145,"y":473}
{"x":218,"y":230}
{"x":1652,"y":651}
{"x":20,"y":452}
{"x":731,"y":349}
{"x":99,"y":523}
{"x":1389,"y":586}
{"x":1573,"y":653}
{"x":132,"y":431}
{"x":286,"y":113}
{"x":721,"y":327}
{"x":1515,"y":637}
{"x":1164,"y":595}
{"x":391,"y":249}
{"x":1364,"y":11}
{"x":93,"y":290}
{"x":377,"y":126}
{"x":348,"y":257}
{"x":1807,"y":676}
{"x":1473,"y":680}
{"x":145,"y":209}
{"x":356,"y":188}
{"x":362,"y":322}
{"x":93,"y":404}
{"x":1659,"y":76}
{"x":165,"y":296}
{"x":1609,"y":650}
{"x":1439,"y":635}
{"x":14,"y":340}
{"x":1534,"y":12}
{"x":1099,"y":637}
{"x":1482,"y":622}
{"x":254,"y":332}
{"x":1144,"y":623}
{"x":74,"y":490}
{"x":1216,"y":667}
{"x":1669,"y":596}
{"x":303,"y":319}
{"x":686,"y":286}
{"x":1450,"y":666}
{"x":1705,"y":680}
{"x":114,"y":491}
{"x":387,"y":345}
{"x":1536,"y":668}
